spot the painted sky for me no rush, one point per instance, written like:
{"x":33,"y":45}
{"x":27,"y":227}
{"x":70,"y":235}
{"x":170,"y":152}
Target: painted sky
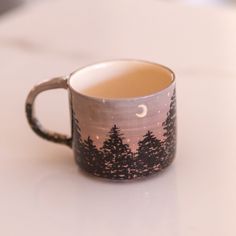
{"x":96,"y":117}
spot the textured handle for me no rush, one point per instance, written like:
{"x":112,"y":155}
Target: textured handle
{"x":55,"y":83}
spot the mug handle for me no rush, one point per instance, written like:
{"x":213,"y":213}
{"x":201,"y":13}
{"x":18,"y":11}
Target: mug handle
{"x":55,"y":83}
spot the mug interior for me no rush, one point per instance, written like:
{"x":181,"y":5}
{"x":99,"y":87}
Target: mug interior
{"x":121,"y":79}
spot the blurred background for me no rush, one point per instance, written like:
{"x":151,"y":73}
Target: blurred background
{"x":7,"y":5}
{"x":42,"y":192}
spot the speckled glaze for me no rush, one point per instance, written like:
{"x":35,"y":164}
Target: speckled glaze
{"x":55,"y":83}
{"x":115,"y":138}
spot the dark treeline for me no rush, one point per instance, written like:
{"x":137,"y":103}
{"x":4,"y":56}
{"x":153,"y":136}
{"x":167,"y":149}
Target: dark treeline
{"x":115,"y":160}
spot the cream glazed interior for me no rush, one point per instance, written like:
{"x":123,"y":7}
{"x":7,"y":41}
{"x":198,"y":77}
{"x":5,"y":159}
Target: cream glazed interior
{"x":121,"y":79}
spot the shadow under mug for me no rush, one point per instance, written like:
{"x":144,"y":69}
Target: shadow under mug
{"x":123,"y":115}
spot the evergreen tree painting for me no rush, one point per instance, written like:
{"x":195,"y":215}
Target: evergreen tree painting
{"x":117,"y":156}
{"x":149,"y":153}
{"x":169,"y":126}
{"x":79,"y":146}
{"x":114,"y":158}
{"x":92,"y":157}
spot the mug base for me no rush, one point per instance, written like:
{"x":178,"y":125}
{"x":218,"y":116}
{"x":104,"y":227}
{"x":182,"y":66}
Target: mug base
{"x":133,"y":174}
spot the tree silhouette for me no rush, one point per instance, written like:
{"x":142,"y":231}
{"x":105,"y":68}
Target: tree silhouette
{"x":117,"y":155}
{"x":149,"y":153}
{"x":115,"y":160}
{"x":78,"y":143}
{"x":92,"y":157}
{"x":169,"y":126}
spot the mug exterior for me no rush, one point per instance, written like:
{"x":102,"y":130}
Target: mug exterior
{"x":124,"y":138}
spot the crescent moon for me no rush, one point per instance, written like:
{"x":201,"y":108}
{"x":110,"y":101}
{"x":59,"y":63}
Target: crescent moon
{"x":144,"y":111}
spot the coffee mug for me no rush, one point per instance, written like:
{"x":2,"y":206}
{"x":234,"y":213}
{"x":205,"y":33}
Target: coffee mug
{"x":123,"y":117}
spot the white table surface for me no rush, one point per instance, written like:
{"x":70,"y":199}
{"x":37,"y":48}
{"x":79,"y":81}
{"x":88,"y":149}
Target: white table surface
{"x":42,"y":192}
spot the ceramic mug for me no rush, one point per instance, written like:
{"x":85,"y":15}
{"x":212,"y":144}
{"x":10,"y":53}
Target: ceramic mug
{"x":123,"y":117}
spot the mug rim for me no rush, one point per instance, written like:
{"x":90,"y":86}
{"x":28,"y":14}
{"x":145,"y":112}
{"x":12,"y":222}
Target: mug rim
{"x":70,"y":76}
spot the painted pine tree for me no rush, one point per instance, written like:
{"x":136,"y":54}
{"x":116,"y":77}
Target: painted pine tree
{"x":78,"y":144}
{"x":149,"y":153}
{"x":117,"y":156}
{"x":92,"y":157}
{"x":169,"y":126}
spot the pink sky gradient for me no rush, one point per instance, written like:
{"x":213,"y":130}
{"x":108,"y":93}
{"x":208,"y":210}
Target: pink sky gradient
{"x":96,"y":118}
